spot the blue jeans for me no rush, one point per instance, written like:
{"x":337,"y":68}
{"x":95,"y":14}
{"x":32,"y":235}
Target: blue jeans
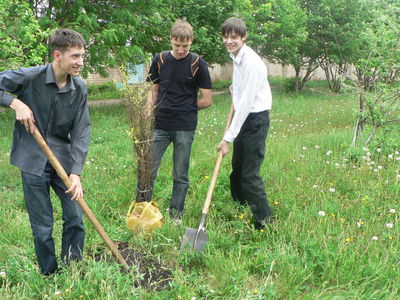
{"x":182,"y":142}
{"x":38,"y":203}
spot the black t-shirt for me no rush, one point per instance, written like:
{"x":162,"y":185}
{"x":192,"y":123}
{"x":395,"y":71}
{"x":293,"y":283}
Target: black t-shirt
{"x":176,"y":107}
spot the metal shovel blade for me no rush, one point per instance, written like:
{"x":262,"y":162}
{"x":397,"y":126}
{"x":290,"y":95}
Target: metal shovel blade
{"x":194,"y":238}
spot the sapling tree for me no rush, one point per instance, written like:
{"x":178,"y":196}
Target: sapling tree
{"x":379,"y":97}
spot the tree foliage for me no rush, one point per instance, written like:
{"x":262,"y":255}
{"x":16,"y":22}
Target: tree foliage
{"x":378,"y":71}
{"x":21,"y":38}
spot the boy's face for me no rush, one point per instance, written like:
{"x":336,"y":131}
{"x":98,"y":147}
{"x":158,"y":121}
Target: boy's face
{"x":233,"y":42}
{"x":70,"y":61}
{"x":180,"y":48}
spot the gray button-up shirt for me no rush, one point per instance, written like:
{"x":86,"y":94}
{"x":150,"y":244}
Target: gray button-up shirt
{"x":61,"y":116}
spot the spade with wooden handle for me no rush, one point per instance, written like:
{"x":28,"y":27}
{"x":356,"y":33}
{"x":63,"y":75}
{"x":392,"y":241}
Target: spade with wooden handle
{"x":64,"y":177}
{"x":196,"y":238}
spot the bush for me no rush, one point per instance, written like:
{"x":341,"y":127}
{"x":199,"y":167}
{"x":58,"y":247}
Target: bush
{"x":221,"y":84}
{"x":94,"y":89}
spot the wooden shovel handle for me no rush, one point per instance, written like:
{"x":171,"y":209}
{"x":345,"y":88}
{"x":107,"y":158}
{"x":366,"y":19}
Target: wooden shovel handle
{"x":217,"y":167}
{"x":64,"y":177}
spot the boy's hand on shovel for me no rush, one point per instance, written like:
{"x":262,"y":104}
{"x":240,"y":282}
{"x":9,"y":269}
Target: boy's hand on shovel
{"x":75,"y":189}
{"x":223,"y":147}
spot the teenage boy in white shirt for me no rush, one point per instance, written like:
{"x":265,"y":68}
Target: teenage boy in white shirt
{"x":252,"y":99}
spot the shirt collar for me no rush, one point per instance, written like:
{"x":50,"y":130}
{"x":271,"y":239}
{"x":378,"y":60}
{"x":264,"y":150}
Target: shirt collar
{"x":50,"y":78}
{"x":238,"y":58}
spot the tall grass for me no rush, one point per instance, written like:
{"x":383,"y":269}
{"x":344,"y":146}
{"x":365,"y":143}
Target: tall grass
{"x":335,"y":235}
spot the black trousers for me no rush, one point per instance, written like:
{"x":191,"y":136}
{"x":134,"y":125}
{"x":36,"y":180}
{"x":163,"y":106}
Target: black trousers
{"x":247,"y":185}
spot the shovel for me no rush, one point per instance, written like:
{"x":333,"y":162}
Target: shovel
{"x":196,"y":238}
{"x":64,"y":177}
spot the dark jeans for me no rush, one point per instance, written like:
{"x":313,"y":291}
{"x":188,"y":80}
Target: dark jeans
{"x":182,"y":142}
{"x":38,"y":203}
{"x":247,"y":185}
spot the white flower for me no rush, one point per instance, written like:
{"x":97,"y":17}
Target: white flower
{"x":358,"y":224}
{"x":365,"y":149}
{"x":337,"y":165}
{"x":298,"y":179}
{"x":321,"y":213}
{"x":379,"y":167}
{"x":314,"y":186}
{"x":392,"y":210}
{"x":397,"y":152}
{"x":317,"y":147}
{"x":304,"y":148}
{"x":378,"y":149}
{"x":375,"y":170}
{"x":57,"y":293}
{"x":374,"y":238}
{"x":389,"y":225}
{"x":329,"y":152}
{"x":3,"y":274}
{"x":398,"y":176}
{"x":332,"y":190}
{"x":390,"y":156}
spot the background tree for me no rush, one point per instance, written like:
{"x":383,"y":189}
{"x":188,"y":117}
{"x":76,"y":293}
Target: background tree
{"x":117,"y":31}
{"x":21,"y":38}
{"x":339,"y":32}
{"x":377,"y":84}
{"x":277,"y":29}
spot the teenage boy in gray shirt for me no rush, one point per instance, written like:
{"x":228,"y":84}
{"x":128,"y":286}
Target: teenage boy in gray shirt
{"x":54,"y":100}
{"x":252,"y":100}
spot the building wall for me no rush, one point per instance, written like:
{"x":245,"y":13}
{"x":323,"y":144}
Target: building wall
{"x":217,"y":72}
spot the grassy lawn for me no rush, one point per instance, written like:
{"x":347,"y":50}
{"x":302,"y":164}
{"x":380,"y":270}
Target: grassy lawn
{"x":336,"y":233}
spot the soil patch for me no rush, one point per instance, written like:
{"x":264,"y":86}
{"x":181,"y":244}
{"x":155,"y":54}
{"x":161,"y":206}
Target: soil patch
{"x":155,"y":276}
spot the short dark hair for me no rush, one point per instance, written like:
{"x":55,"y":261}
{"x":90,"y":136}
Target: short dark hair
{"x":234,"y":25}
{"x":62,"y":39}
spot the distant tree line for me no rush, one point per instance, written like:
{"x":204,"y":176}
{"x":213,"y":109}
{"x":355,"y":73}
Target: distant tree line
{"x":305,"y":34}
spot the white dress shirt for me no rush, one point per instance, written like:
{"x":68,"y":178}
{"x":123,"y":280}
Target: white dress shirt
{"x":251,"y":90}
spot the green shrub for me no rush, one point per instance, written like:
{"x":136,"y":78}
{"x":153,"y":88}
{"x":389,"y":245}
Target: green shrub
{"x":221,"y":84}
{"x":109,"y":86}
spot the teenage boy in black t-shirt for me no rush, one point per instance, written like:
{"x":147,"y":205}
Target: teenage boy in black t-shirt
{"x":178,"y":76}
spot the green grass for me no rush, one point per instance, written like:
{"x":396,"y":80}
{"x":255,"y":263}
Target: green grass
{"x":307,"y":171}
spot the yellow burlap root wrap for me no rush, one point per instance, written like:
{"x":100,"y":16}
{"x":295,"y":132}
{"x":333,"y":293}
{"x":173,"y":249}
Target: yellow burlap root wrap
{"x":143,"y":217}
